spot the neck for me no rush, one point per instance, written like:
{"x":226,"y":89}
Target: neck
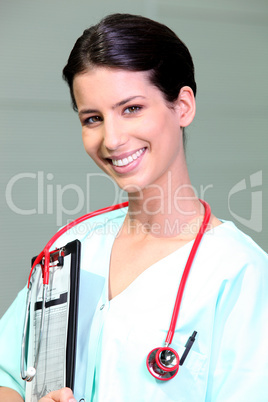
{"x":166,"y":209}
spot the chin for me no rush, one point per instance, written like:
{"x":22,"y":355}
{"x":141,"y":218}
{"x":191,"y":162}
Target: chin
{"x":133,"y":187}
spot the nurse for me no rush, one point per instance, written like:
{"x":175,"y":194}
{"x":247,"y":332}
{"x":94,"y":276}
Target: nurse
{"x":132,"y":83}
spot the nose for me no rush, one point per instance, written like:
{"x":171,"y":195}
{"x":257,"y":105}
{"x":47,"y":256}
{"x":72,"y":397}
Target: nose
{"x":114,"y":135}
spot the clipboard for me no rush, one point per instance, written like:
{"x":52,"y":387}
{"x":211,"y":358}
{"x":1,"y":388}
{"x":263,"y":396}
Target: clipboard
{"x":56,"y":362}
{"x":74,"y":248}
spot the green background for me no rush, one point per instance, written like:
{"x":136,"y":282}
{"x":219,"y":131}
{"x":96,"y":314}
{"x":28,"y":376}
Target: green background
{"x":39,"y":132}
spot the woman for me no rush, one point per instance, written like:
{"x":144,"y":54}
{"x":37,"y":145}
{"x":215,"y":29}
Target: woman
{"x":132,"y":83}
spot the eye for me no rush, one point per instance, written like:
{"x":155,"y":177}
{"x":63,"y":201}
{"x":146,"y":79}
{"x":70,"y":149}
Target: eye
{"x":132,"y":109}
{"x":92,"y":120}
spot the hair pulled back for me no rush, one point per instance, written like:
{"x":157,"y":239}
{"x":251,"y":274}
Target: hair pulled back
{"x":134,"y":43}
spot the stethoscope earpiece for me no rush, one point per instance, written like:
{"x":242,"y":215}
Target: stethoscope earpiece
{"x":30,"y":373}
{"x":163,"y":363}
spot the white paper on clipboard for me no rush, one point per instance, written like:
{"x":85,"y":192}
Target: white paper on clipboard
{"x":51,"y":368}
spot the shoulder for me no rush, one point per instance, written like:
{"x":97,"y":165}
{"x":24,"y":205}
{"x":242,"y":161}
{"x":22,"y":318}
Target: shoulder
{"x":228,"y":242}
{"x":15,"y":309}
{"x":239,"y":315}
{"x":228,"y":256}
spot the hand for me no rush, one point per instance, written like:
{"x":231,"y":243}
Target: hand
{"x":62,"y":395}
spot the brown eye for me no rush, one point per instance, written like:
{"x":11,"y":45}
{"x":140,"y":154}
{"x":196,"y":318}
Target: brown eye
{"x":93,"y":119}
{"x":132,"y":109}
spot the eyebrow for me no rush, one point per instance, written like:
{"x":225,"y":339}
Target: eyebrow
{"x":118,"y":104}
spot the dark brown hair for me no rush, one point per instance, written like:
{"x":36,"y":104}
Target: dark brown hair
{"x":134,"y":43}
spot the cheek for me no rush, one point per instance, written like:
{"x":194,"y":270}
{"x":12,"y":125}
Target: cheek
{"x":90,"y":144}
{"x":152,"y":128}
{"x":163,"y":130}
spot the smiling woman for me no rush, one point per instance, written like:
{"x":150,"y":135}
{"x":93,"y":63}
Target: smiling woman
{"x":127,"y":120}
{"x":163,"y":275}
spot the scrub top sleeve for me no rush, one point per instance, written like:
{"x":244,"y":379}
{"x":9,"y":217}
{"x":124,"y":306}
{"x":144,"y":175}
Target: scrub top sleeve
{"x":11,"y":327}
{"x":239,"y":356}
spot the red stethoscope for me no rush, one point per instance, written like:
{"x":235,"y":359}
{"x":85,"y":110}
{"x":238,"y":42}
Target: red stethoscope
{"x":163,"y":363}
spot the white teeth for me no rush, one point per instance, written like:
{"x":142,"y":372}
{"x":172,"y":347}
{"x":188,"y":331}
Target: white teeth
{"x":129,"y":159}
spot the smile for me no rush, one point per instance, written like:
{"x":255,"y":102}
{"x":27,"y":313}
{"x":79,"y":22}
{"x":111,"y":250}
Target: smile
{"x":129,"y":159}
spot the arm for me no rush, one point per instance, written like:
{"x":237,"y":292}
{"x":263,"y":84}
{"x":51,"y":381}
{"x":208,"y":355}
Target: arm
{"x":11,"y":325}
{"x":239,"y":363}
{"x":8,"y":394}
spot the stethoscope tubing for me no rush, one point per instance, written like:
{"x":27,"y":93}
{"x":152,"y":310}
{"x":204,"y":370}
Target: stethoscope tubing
{"x":45,"y":252}
{"x":166,"y":368}
{"x":45,"y":256}
{"x":186,"y":271}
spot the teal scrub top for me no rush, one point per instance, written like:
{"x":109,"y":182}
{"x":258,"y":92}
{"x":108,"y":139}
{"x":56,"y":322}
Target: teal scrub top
{"x":225,"y":301}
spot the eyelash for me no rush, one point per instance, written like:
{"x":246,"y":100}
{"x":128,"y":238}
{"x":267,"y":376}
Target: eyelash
{"x":89,"y":122}
{"x":127,"y":111}
{"x":135,"y":107}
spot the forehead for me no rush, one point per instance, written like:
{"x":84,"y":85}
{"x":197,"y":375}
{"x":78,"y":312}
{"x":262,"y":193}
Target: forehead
{"x":101,"y":83}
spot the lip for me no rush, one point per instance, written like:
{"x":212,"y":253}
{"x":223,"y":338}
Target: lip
{"x":129,"y":167}
{"x":124,"y":155}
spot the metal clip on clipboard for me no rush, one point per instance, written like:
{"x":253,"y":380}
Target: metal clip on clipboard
{"x":53,"y":350}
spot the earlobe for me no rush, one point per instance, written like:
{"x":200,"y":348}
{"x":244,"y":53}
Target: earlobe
{"x":186,"y":103}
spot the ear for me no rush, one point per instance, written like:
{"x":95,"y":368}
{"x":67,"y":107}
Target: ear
{"x":186,"y":104}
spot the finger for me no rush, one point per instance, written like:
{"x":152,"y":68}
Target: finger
{"x":61,"y":395}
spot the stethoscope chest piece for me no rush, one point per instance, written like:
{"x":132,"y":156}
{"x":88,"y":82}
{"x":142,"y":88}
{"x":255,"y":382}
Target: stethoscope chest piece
{"x":163,"y":363}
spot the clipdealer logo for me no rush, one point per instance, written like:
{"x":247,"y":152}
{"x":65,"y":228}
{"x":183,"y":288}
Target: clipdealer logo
{"x":47,"y":197}
{"x":252,"y":188}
